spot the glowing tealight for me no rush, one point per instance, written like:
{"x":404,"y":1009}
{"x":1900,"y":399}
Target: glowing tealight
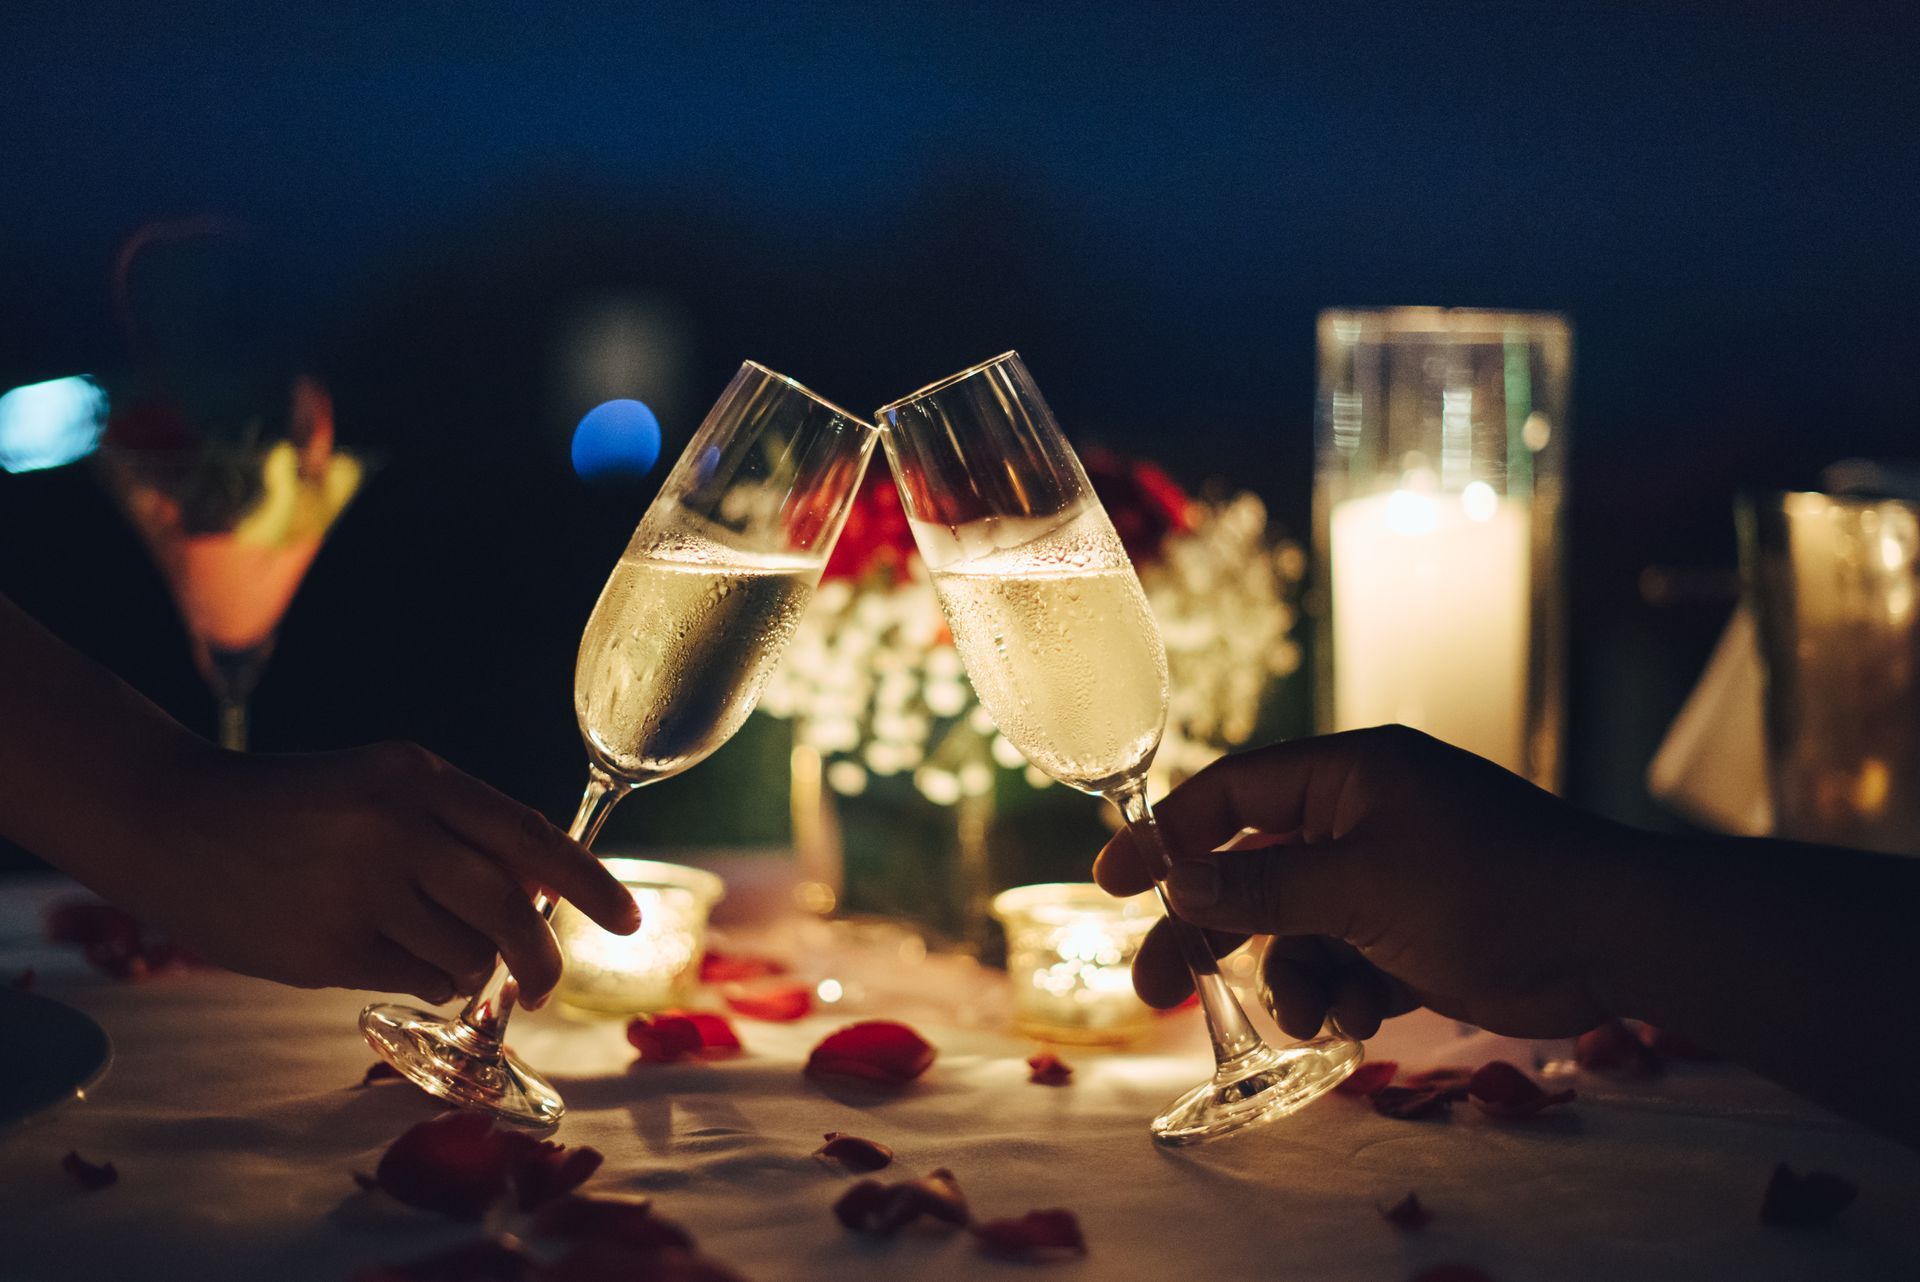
{"x":1479,"y":501}
{"x":1070,"y":951}
{"x":617,"y":438}
{"x":651,"y":969}
{"x":1410,"y":513}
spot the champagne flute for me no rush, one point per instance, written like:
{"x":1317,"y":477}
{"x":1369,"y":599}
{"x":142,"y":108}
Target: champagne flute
{"x":1057,"y":638}
{"x":680,"y":644}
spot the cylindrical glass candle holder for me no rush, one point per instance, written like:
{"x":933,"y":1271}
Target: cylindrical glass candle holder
{"x":1070,"y":951}
{"x":1439,"y":480}
{"x":651,"y":969}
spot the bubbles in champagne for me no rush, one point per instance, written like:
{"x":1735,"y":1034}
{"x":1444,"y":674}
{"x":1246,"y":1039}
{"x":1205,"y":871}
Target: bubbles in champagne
{"x":678,"y":649}
{"x":1061,"y":647}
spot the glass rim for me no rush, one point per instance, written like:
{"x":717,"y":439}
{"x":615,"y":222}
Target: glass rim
{"x":941,"y":384}
{"x":810,"y":394}
{"x":1419,"y":319}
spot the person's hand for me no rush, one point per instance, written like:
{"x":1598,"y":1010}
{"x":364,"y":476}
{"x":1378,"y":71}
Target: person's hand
{"x":382,"y":868}
{"x":1395,"y":871}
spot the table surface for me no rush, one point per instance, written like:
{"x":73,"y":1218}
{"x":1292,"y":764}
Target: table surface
{"x":231,"y":1115}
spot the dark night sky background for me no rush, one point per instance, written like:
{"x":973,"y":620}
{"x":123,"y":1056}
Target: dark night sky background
{"x":1151,"y":201}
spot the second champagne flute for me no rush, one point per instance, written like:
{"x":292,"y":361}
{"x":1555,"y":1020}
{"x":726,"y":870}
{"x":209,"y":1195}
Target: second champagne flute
{"x":685,"y":634}
{"x":1056,"y":635}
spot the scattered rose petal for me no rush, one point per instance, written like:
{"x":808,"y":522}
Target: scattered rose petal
{"x":1450,"y":1081}
{"x":611,"y":1262}
{"x":716,"y":1034}
{"x":1503,"y":1091}
{"x":542,"y":1170}
{"x":878,"y":1051}
{"x":734,"y":968}
{"x":1368,"y":1078}
{"x":1799,"y":1200}
{"x":778,"y":1004}
{"x":1048,"y":1069}
{"x":379,"y":1071}
{"x":114,"y":941}
{"x":881,"y":1210}
{"x":88,"y":1175}
{"x":854,"y":1153}
{"x":1038,"y":1235}
{"x":487,"y":1260}
{"x":1412,"y":1103}
{"x":1451,"y":1273}
{"x":1614,"y":1048}
{"x":24,"y":980}
{"x":662,"y":1039}
{"x":1677,"y":1045}
{"x":454,"y":1164}
{"x":1407,"y":1213}
{"x":624,"y":1222}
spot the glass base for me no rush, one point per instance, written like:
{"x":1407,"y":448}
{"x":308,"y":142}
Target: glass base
{"x":446,"y":1058}
{"x":1261,"y":1085}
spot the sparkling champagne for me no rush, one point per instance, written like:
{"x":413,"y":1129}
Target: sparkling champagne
{"x":680,"y":644}
{"x":1058,"y":641}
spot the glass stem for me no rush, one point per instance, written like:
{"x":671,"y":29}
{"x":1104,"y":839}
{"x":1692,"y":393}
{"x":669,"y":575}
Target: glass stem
{"x":1227,"y":1023}
{"x":484,"y":1021}
{"x":233,"y":724}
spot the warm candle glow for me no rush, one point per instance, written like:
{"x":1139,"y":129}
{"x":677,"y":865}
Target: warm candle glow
{"x":1070,"y":950}
{"x":653,"y":968}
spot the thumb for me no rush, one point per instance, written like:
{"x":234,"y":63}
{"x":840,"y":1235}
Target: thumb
{"x":1275,"y":890}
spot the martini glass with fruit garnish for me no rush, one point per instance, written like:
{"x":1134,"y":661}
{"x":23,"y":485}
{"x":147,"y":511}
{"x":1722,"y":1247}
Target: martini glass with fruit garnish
{"x":233,"y":523}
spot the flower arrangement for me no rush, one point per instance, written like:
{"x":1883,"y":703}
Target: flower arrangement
{"x":874,"y":685}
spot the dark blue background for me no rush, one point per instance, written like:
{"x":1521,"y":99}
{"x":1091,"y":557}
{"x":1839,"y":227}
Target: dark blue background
{"x":1150,"y":200}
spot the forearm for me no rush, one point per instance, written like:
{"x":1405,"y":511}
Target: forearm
{"x":90,"y":770}
{"x":1796,"y":961}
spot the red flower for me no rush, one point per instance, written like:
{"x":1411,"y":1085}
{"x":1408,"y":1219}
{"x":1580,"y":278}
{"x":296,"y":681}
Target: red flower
{"x":1144,"y":503}
{"x":673,"y":1035}
{"x":1407,"y":1213}
{"x":1037,"y":1235}
{"x":878,"y":1051}
{"x":542,"y":1170}
{"x":88,"y":1175}
{"x":854,"y":1153}
{"x":779,"y":1003}
{"x":1368,"y":1078}
{"x":1798,"y":1200}
{"x":1503,"y":1091}
{"x":1450,"y":1081}
{"x":876,"y":536}
{"x":487,"y":1260}
{"x":454,"y":1164}
{"x":881,"y":1210}
{"x":1048,"y":1069}
{"x":729,"y":968}
{"x":1613,"y":1047}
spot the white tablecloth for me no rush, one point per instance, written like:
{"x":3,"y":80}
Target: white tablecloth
{"x":230,"y":1116}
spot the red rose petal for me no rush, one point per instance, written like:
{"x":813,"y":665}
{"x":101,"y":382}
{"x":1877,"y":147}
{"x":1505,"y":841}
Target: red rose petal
{"x":662,"y":1039}
{"x":1451,"y":1273}
{"x":854,"y":1153}
{"x":878,"y":1051}
{"x":1192,"y":1000}
{"x":88,"y":1175}
{"x":454,"y":1164}
{"x":779,"y":1004}
{"x":487,"y":1260}
{"x":716,"y":1034}
{"x":1674,"y":1045}
{"x":542,"y":1170}
{"x":379,"y":1071}
{"x":1612,"y":1047}
{"x":881,"y":1210}
{"x":24,"y":980}
{"x":734,"y":968}
{"x":624,"y":1222}
{"x":1412,"y":1103}
{"x":1503,"y":1091}
{"x":1368,"y":1078}
{"x":1037,"y":1235}
{"x":1048,"y":1069}
{"x":1799,"y":1200}
{"x":1450,"y":1081}
{"x":1407,"y":1213}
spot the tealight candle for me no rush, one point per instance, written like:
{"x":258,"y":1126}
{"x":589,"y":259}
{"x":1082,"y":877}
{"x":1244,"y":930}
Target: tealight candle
{"x":1070,"y":950}
{"x":651,"y":969}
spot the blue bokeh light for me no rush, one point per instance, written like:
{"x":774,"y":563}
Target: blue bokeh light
{"x":616,"y":438}
{"x":47,"y":424}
